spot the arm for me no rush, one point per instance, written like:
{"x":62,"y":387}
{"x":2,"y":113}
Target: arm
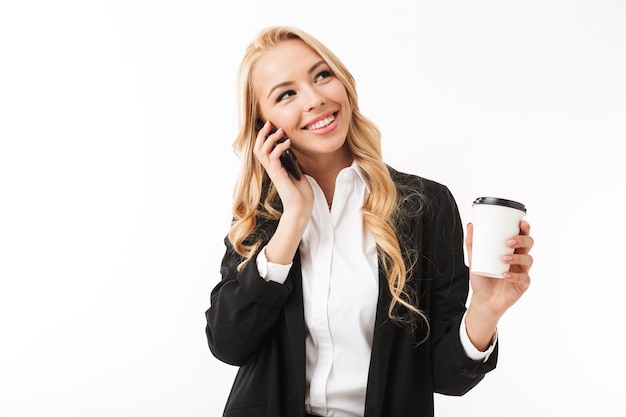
{"x":243,"y":309}
{"x":244,"y":306}
{"x":491,"y":297}
{"x":454,"y":373}
{"x":296,"y":196}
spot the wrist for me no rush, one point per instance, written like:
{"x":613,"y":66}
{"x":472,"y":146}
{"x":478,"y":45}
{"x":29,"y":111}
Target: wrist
{"x":283,"y":245}
{"x":295,"y":220}
{"x":480,"y":324}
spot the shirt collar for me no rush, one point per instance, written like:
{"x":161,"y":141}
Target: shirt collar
{"x":354,"y":166}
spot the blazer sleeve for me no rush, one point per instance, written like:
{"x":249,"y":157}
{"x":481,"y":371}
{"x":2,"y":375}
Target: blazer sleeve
{"x":243,"y":309}
{"x":454,"y":373}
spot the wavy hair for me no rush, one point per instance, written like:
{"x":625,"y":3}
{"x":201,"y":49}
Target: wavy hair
{"x":256,"y":198}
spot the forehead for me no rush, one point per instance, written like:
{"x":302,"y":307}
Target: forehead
{"x":285,"y":62}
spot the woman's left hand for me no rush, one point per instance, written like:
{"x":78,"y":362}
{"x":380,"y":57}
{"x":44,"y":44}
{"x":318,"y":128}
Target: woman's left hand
{"x":497,"y":295}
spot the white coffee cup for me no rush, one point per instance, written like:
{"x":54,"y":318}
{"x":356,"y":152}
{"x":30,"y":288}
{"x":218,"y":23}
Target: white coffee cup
{"x":495,"y":221}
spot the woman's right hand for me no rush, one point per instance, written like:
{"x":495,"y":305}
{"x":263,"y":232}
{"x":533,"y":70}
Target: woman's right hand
{"x":296,"y":196}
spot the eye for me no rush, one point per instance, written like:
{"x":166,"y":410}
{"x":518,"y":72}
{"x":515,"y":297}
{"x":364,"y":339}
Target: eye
{"x":323,"y":75}
{"x":285,"y":95}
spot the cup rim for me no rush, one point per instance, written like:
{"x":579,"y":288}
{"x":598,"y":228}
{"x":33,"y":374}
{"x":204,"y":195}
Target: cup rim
{"x":496,"y":201}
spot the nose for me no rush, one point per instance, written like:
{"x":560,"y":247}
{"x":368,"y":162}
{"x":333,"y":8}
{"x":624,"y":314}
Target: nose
{"x":314,"y":99}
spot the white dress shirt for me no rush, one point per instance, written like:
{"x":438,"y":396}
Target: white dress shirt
{"x":340,"y":293}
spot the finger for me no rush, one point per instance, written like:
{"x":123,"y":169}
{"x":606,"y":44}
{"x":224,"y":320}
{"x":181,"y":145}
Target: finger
{"x":469,"y":239}
{"x":266,"y":147}
{"x":522,"y":279}
{"x":261,"y":137}
{"x":282,"y":146}
{"x":524,"y":228}
{"x":521,"y":243}
{"x":276,"y":140}
{"x":523,"y":260}
{"x":470,"y":233}
{"x":277,"y":151}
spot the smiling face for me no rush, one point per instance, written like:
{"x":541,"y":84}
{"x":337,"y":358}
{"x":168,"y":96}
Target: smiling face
{"x":297,"y":91}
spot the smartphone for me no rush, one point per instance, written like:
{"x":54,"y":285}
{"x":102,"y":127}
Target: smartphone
{"x":287,"y":158}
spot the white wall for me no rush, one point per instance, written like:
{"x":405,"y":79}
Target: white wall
{"x":116,"y":171}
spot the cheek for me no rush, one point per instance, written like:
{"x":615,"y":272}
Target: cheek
{"x":346,"y":108}
{"x":281,"y":118}
{"x":338,"y":92}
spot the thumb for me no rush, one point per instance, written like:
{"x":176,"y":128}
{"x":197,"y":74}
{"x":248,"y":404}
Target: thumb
{"x":468,"y":241}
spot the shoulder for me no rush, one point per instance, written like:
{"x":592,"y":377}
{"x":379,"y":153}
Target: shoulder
{"x":414,"y":189}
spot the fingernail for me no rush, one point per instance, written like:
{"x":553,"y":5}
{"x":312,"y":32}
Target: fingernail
{"x":507,"y":258}
{"x":506,"y":275}
{"x":511,"y":242}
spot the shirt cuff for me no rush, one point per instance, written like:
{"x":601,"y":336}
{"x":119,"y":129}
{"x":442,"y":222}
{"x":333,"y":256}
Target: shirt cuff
{"x":470,"y":349}
{"x":270,"y":271}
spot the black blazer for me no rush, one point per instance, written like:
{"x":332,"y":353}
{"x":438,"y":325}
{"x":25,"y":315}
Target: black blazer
{"x":259,"y":326}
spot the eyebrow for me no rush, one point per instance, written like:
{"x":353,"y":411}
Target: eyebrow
{"x":279,"y":85}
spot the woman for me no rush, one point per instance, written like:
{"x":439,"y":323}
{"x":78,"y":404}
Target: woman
{"x":343,"y":292}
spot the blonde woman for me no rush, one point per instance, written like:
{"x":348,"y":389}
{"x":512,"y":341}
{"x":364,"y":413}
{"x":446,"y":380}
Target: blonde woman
{"x":344,"y":287}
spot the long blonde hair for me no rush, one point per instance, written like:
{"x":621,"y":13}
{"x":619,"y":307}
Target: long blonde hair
{"x":255,"y":196}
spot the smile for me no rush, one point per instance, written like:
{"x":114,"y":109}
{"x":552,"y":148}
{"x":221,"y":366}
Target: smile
{"x":322,"y":123}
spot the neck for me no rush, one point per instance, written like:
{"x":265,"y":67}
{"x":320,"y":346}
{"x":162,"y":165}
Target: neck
{"x":325,"y":170}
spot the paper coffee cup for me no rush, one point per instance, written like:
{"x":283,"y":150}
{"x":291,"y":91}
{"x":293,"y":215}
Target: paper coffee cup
{"x":495,"y":221}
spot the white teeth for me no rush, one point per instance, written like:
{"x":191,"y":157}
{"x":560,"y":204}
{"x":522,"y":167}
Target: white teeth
{"x":321,"y":123}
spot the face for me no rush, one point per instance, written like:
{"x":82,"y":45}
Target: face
{"x":296,"y":90}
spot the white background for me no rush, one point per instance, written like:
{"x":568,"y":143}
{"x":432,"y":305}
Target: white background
{"x":116,"y":173}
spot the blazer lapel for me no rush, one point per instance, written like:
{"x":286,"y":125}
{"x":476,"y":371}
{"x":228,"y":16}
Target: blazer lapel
{"x":381,"y":351}
{"x":294,"y":319}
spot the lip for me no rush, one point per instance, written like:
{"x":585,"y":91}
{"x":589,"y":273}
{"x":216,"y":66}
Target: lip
{"x":321,"y":117}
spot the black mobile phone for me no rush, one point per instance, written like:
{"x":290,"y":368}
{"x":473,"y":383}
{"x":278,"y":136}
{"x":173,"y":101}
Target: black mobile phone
{"x":287,"y":158}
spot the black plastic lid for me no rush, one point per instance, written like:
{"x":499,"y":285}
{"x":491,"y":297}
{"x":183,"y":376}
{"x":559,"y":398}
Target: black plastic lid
{"x":500,"y":202}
